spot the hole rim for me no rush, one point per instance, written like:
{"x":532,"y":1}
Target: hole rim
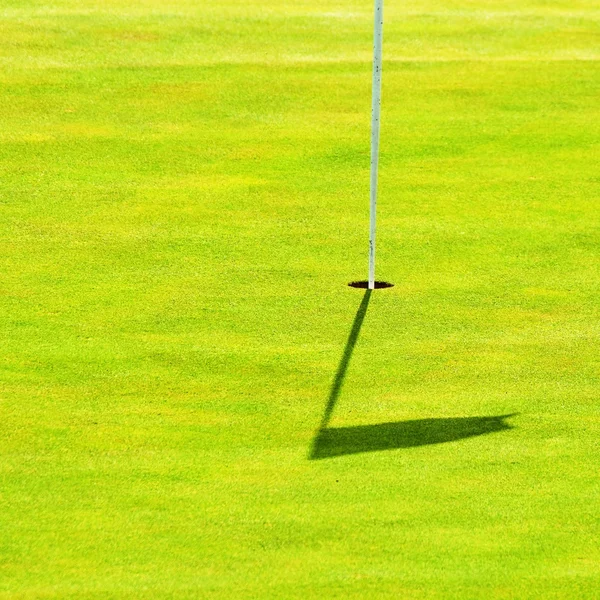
{"x":364,"y":285}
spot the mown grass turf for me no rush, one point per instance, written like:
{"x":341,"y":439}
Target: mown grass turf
{"x":184,"y":197}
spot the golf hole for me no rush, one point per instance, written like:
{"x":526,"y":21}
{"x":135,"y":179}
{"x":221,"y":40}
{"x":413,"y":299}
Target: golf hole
{"x":363,"y":285}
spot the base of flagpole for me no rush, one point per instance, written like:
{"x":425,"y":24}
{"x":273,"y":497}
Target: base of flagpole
{"x":364,"y":285}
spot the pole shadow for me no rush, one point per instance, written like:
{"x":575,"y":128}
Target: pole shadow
{"x":330,"y":442}
{"x":338,"y":381}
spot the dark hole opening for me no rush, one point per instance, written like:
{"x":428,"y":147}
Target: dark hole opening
{"x":363,"y":285}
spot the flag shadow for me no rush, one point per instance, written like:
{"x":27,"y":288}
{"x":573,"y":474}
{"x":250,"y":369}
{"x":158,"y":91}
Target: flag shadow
{"x":339,"y":441}
{"x":330,"y":442}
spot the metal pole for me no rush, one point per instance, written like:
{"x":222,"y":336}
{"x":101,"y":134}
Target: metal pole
{"x":375,"y":113}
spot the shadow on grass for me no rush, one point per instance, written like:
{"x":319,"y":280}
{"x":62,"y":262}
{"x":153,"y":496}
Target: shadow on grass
{"x":338,"y":380}
{"x":339,"y":441}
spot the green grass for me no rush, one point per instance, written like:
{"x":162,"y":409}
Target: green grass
{"x":183,"y":199}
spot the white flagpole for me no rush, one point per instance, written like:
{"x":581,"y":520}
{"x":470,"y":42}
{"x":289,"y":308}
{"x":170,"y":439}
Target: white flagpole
{"x":375,"y":113}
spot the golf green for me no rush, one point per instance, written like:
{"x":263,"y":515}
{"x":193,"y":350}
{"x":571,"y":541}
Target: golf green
{"x":193,"y":402}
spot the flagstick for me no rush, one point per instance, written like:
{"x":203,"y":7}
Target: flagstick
{"x":375,"y":113}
